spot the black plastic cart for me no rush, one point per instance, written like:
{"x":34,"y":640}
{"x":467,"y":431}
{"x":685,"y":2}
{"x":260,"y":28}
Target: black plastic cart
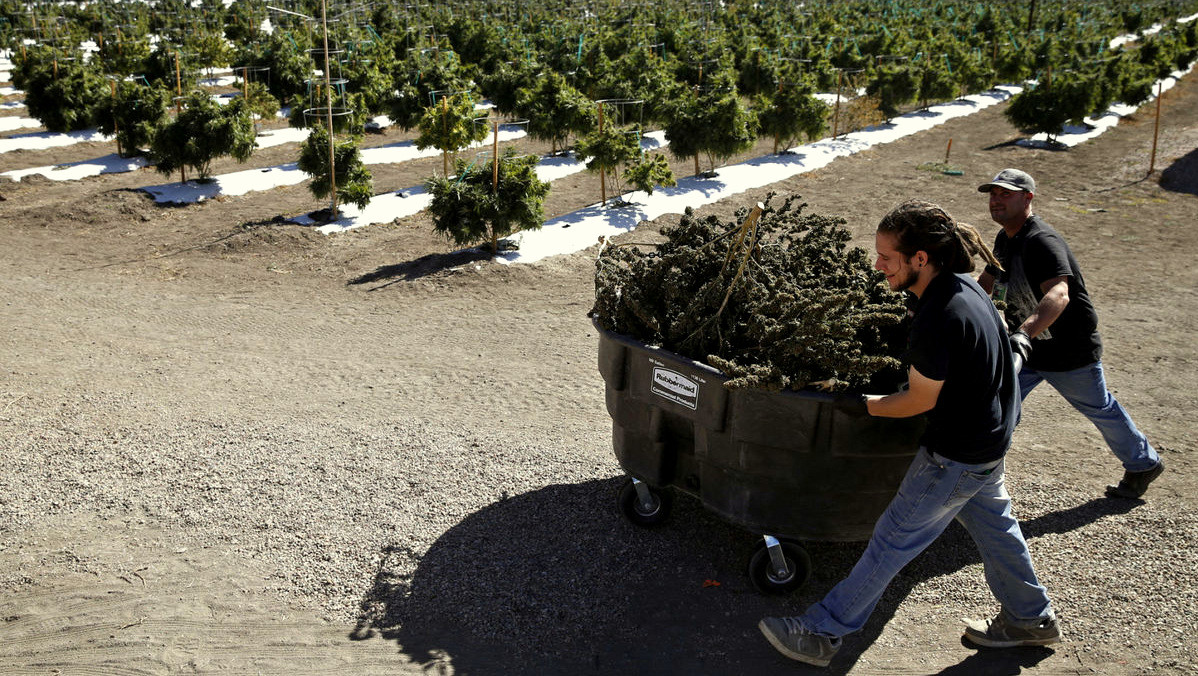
{"x":785,"y":465}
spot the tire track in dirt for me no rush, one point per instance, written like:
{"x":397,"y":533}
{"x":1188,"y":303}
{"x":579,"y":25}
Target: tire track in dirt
{"x":129,"y":631}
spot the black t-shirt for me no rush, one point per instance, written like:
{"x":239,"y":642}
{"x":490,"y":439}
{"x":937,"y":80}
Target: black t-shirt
{"x":958,"y":337}
{"x":1034,"y":255}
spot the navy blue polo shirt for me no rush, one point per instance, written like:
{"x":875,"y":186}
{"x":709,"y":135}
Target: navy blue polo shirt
{"x":958,"y":337}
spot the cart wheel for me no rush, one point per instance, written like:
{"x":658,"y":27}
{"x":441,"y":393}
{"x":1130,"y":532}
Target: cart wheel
{"x":764,"y":572}
{"x":644,"y":506}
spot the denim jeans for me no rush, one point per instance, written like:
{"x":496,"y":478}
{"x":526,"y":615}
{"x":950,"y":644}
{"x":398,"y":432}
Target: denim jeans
{"x":934,"y":491}
{"x":1085,"y":389}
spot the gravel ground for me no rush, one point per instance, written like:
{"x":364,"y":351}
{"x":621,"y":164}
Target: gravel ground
{"x":520,"y":541}
{"x":236,"y":446}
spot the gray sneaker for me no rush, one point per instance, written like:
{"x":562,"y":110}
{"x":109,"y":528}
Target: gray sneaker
{"x":792,"y":639}
{"x":998,"y":633}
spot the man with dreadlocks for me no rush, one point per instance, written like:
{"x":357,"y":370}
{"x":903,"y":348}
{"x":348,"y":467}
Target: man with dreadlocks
{"x":963,"y":376}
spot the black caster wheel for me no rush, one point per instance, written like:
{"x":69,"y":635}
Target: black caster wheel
{"x":644,"y":506}
{"x":778,"y":566}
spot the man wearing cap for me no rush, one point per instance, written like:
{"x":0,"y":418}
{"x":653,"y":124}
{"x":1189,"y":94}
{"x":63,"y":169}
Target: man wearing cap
{"x":1049,"y":312}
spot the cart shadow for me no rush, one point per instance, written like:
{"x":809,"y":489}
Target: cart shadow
{"x":556,"y":581}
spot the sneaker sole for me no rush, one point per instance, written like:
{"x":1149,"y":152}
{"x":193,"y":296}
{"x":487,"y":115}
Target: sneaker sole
{"x":782,"y":648}
{"x":987,"y":642}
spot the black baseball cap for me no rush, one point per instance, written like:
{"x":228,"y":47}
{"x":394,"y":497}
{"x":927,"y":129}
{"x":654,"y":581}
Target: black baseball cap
{"x":1011,"y":179}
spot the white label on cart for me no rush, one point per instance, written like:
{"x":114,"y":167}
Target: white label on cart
{"x":676,"y":387}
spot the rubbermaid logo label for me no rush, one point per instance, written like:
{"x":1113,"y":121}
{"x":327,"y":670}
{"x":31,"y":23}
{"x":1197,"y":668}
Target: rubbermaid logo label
{"x":675,"y":387}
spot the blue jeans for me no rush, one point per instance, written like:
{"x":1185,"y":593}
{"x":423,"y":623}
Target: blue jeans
{"x":1085,"y":388}
{"x":934,"y":491}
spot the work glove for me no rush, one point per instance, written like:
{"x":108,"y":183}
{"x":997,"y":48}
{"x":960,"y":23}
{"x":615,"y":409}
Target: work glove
{"x":1021,"y":348}
{"x":851,"y":404}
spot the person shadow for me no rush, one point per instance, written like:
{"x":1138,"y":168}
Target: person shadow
{"x":1182,"y":174}
{"x":556,"y":581}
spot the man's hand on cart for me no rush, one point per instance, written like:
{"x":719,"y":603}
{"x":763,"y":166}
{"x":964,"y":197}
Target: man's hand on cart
{"x":851,"y":403}
{"x":1021,"y":348}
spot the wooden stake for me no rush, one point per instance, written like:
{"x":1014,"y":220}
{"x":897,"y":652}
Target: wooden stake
{"x":948,"y":150}
{"x":445,"y":134}
{"x":602,"y":173}
{"x":748,"y":228}
{"x":115,"y":129}
{"x":776,"y":140}
{"x":328,"y":84}
{"x":494,"y":180}
{"x":1156,"y":127}
{"x":836,"y":113}
{"x":495,"y":157}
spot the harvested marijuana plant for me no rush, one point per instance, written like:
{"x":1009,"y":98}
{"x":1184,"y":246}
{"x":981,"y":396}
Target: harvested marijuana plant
{"x":779,"y":301}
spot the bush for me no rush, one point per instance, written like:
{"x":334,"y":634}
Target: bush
{"x":609,"y":149}
{"x":289,"y":66}
{"x":893,"y":85}
{"x":355,"y":185}
{"x":790,"y":113}
{"x":449,"y":126}
{"x":470,"y":209}
{"x":133,"y":115}
{"x":648,"y":171}
{"x":716,"y":125}
{"x":555,"y":110}
{"x":202,"y":132}
{"x":60,"y":92}
{"x":1047,"y":107}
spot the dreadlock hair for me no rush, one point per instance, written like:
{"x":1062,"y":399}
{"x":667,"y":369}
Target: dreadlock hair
{"x":923,"y":226}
